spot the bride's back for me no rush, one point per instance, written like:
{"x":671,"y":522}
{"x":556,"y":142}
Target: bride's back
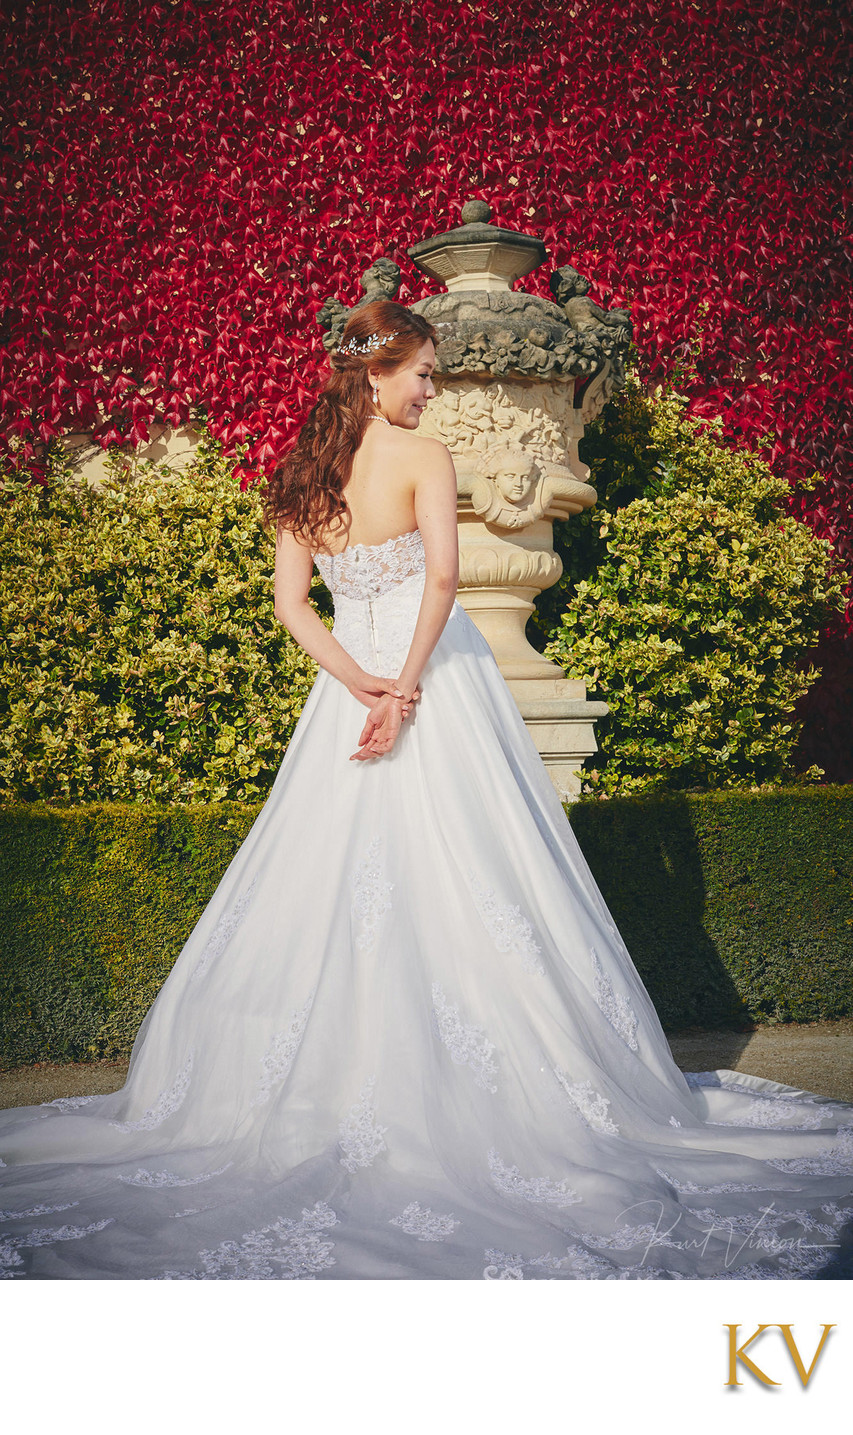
{"x":380,"y":491}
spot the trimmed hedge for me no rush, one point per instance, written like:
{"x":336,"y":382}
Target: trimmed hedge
{"x":96,"y":901}
{"x":736,"y":907}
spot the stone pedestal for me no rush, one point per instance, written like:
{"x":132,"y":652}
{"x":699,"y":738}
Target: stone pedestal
{"x":502,"y":569}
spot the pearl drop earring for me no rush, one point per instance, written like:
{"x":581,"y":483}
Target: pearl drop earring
{"x":376,"y":395}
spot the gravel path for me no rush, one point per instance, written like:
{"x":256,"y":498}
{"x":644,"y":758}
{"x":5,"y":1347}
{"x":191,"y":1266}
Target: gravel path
{"x":815,"y":1056}
{"x":29,"y":1085}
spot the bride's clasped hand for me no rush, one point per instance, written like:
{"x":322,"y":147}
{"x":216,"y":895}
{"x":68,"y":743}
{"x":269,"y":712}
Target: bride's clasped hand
{"x":382,"y":727}
{"x":385,"y":719}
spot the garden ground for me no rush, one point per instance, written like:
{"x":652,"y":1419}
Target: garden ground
{"x":814,"y":1056}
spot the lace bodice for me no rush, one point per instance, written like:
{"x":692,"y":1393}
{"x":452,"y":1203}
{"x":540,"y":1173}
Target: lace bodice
{"x":366,"y":570}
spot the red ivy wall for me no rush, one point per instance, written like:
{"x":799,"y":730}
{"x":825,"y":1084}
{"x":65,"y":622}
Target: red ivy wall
{"x":184,"y":182}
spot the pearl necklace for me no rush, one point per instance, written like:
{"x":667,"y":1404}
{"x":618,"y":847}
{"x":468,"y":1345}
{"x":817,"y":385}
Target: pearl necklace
{"x":381,"y":417}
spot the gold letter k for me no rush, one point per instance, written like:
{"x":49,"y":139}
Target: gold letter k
{"x":736,"y":1353}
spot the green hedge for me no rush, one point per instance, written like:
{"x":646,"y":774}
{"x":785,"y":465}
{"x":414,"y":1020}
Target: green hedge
{"x":696,"y":622}
{"x":96,"y":901}
{"x":736,"y":907}
{"x":140,"y":658}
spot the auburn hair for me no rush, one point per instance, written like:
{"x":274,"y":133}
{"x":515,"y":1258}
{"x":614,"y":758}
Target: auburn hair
{"x":305,"y":491}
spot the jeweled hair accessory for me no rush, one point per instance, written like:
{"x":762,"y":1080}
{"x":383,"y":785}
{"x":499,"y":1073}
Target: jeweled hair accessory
{"x":372,"y":342}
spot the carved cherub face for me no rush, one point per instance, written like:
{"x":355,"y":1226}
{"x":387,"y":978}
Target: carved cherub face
{"x":515,"y":477}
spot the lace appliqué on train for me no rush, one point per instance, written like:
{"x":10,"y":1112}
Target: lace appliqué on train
{"x":371,"y":896}
{"x":590,"y":1105}
{"x":224,"y":931}
{"x":578,"y":1263}
{"x":424,"y":1224}
{"x":835,"y":1160}
{"x":286,"y":1251}
{"x":614,"y":1006}
{"x":366,"y":570}
{"x":795,"y":1264}
{"x":775,"y":1112}
{"x":280,"y":1057}
{"x":361,"y":1139}
{"x":37,"y":1211}
{"x":167,"y":1103}
{"x":468,"y":1045}
{"x":768,"y":1231}
{"x":70,"y":1103}
{"x":508,"y":928}
{"x":539,"y":1189}
{"x":168,"y":1180}
{"x":11,"y":1246}
{"x":585,"y":1265}
{"x":501,"y":1266}
{"x":690,"y":1188}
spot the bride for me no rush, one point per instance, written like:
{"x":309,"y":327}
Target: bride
{"x":405,"y":1039}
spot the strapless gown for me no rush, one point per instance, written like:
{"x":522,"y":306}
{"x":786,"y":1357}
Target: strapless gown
{"x":405,"y":1039}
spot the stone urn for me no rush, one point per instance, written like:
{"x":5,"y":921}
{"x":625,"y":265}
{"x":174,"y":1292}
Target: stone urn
{"x":516,"y":379}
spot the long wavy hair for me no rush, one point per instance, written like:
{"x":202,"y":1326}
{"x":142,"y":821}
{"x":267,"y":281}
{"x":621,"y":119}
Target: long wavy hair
{"x":305,"y":491}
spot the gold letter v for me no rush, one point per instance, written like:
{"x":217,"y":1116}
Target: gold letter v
{"x":795,"y":1354}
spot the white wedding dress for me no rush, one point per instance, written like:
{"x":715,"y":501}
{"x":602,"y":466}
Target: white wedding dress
{"x":405,"y":1039}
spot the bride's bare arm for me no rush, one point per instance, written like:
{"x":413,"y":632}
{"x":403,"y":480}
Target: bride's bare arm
{"x":293,"y":569}
{"x":435,"y":510}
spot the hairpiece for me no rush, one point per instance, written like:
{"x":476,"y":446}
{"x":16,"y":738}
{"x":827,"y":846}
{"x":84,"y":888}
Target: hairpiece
{"x":372,"y":342}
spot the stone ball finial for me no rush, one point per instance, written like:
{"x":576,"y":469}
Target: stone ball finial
{"x":476,"y":211}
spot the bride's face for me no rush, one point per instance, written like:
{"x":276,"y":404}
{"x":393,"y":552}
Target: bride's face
{"x":406,"y":391}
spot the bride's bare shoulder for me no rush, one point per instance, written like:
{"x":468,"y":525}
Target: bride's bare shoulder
{"x":417,"y":447}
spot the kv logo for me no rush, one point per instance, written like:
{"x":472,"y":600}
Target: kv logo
{"x":736,"y":1353}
